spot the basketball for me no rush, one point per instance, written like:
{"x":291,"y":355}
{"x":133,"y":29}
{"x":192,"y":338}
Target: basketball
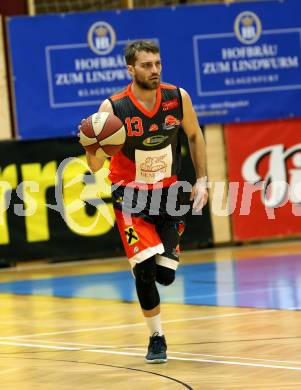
{"x":102,"y":134}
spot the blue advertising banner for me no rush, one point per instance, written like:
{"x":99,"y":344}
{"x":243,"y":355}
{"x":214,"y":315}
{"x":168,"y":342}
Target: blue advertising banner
{"x":246,"y":67}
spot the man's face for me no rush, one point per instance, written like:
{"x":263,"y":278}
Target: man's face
{"x":147,"y":70}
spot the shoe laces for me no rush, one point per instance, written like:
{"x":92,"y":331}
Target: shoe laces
{"x":157,"y":342}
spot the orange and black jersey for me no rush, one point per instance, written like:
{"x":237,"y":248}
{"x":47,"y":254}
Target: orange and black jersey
{"x":151,"y":153}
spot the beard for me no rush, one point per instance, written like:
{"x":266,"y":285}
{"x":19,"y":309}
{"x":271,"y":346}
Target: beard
{"x":149,"y":85}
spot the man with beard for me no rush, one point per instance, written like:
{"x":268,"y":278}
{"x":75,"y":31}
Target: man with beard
{"x":144,"y":179}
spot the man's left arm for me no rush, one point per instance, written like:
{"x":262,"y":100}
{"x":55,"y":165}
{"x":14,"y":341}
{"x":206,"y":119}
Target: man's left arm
{"x":190,"y":124}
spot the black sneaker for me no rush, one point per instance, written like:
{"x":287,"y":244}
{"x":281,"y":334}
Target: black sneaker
{"x":157,"y":347}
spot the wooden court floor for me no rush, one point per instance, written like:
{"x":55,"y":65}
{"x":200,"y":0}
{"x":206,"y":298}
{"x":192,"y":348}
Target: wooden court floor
{"x":232,"y":321}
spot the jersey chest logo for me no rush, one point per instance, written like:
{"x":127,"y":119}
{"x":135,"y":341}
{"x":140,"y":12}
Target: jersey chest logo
{"x":153,"y":127}
{"x":170,"y":104}
{"x":170,"y":122}
{"x":155,"y":140}
{"x":153,"y":165}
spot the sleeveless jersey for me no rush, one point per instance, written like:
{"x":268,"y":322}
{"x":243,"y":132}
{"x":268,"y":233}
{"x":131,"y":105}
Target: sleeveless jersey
{"x":151,"y":153}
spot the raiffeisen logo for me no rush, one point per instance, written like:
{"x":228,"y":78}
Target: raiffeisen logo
{"x":247,"y":27}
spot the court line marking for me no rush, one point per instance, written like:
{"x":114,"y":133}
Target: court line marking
{"x":79,"y":263}
{"x":172,"y":352}
{"x":83,"y":345}
{"x":102,"y":351}
{"x":226,"y":357}
{"x":39,"y":346}
{"x":204,"y":318}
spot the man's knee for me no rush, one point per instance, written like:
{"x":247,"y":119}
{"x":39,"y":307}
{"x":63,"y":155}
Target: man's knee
{"x":165,"y":276}
{"x":145,"y":272}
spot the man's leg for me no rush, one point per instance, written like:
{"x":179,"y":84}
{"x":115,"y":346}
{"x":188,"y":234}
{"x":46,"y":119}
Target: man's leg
{"x":170,"y":231}
{"x":145,"y":276}
{"x":160,"y":268}
{"x":141,"y":243}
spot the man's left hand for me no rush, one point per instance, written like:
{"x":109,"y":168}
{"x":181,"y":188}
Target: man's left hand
{"x":199,"y":194}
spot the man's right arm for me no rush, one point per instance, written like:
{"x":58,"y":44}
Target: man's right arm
{"x":96,"y":163}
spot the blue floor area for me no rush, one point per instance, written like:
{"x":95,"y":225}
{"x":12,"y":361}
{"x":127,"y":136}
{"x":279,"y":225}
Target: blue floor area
{"x":270,"y":282}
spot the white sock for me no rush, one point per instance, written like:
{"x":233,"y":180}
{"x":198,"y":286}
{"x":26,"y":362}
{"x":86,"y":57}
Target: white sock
{"x":154,"y":324}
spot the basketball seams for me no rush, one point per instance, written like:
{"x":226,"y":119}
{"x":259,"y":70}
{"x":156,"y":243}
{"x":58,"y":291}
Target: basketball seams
{"x":112,"y":122}
{"x":102,"y":134}
{"x":87,"y":128}
{"x":92,"y":149}
{"x":99,"y":123}
{"x":111,"y":149}
{"x":85,"y":140}
{"x":115,"y":138}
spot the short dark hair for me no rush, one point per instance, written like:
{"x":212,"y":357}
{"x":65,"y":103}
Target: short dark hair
{"x":136,"y":46}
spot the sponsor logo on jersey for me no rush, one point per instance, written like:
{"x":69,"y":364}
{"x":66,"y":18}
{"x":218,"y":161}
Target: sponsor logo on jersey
{"x":119,"y":199}
{"x":170,"y":122}
{"x":154,"y":140}
{"x":131,"y":235}
{"x":153,"y":165}
{"x":247,"y":27}
{"x":101,"y":38}
{"x":153,"y":127}
{"x":170,"y":104}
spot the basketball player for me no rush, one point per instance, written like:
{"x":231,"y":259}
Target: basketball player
{"x":148,"y":164}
